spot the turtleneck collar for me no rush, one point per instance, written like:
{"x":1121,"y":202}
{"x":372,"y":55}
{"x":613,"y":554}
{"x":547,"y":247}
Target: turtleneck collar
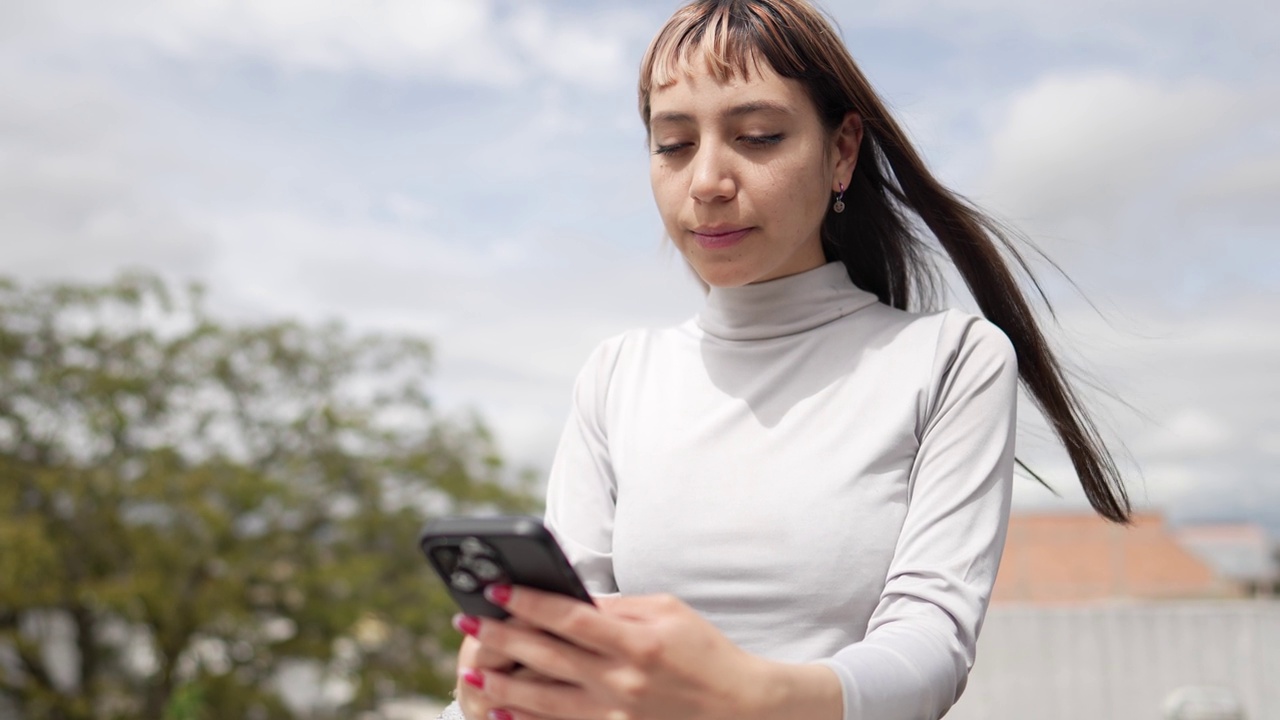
{"x":785,"y":306}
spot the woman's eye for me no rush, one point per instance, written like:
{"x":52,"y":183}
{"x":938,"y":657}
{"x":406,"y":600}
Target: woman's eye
{"x":670,"y":148}
{"x":760,"y":141}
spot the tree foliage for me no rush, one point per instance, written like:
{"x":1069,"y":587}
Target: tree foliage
{"x":196,"y":514}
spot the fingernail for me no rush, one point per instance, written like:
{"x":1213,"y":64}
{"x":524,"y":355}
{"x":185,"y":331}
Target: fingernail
{"x":467,"y":625}
{"x":498,"y":594}
{"x":472,"y":677}
{"x":499,"y":715}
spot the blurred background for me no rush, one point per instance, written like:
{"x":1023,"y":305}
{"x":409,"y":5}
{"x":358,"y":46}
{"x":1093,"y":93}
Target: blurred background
{"x":461,"y":186}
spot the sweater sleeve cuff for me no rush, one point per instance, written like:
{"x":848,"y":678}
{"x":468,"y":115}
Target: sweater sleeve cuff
{"x":879,"y":682}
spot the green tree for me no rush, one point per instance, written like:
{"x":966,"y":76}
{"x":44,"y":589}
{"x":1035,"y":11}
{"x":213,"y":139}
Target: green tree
{"x":192,"y":510}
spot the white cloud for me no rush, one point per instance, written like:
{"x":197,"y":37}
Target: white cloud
{"x":1190,"y":431}
{"x":512,"y":320}
{"x":1160,"y":29}
{"x":1201,"y":421}
{"x":1097,"y":142}
{"x":569,"y":50}
{"x":1268,"y":442}
{"x":1248,"y":187}
{"x":470,"y":41}
{"x":74,"y":196}
{"x":1141,"y":186}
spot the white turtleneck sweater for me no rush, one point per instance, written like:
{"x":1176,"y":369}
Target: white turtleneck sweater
{"x":823,"y":477}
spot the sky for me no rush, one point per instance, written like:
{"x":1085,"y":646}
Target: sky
{"x":475,"y":172}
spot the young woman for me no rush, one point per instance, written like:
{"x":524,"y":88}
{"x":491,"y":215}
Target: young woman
{"x":794,"y":505}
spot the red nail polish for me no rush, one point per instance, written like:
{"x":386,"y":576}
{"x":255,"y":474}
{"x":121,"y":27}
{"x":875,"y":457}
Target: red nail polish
{"x":473,"y":678}
{"x":499,"y":715}
{"x":498,"y":594}
{"x":467,"y":625}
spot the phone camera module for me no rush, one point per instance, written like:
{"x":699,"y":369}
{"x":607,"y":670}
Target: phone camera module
{"x":463,"y":581}
{"x":474,"y":547}
{"x":487,"y":570}
{"x":446,"y":558}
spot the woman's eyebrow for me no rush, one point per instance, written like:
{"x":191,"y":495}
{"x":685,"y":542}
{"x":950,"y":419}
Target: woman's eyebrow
{"x":673,"y":118}
{"x":747,"y":108}
{"x":758,"y":106}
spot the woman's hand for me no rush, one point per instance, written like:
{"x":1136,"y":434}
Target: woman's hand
{"x":636,"y":658}
{"x":474,"y":660}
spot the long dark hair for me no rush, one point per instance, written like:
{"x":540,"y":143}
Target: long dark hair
{"x":873,"y":237}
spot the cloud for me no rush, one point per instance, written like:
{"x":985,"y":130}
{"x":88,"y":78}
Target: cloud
{"x":1148,"y":188}
{"x":1196,"y":413}
{"x":1247,"y":188}
{"x":512,"y":319}
{"x":1168,"y":31}
{"x":575,"y":52}
{"x":1099,"y":141}
{"x":478,"y":42}
{"x":1188,"y":432}
{"x":74,"y":177}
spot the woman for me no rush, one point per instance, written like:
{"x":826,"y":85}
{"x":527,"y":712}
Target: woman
{"x":821,"y":477}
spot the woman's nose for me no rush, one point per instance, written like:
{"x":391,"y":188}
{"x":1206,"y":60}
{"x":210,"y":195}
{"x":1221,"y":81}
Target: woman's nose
{"x":712,"y":177}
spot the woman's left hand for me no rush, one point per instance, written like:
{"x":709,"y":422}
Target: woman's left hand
{"x":638,"y":658}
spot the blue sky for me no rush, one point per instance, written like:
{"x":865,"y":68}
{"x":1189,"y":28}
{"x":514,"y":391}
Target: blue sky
{"x":474,"y":171}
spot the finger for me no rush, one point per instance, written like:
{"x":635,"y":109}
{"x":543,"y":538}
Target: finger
{"x":578,"y":622}
{"x":536,"y":649}
{"x":526,"y":673}
{"x":528,"y":699}
{"x":473,"y":702}
{"x":474,"y":654}
{"x":487,"y":658}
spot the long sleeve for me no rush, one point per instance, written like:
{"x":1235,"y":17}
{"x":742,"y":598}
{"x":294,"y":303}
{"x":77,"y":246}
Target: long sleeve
{"x":920,"y":643}
{"x":582,"y":487}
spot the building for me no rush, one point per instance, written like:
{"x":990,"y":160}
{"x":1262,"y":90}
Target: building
{"x":1241,"y":553}
{"x":1081,"y":557}
{"x":1147,"y":622}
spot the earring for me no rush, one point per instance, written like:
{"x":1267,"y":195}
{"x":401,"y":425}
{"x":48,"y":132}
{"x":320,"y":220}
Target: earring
{"x":839,"y":203}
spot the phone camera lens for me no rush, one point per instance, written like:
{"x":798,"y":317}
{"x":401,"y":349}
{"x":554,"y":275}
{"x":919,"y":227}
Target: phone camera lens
{"x":486,"y":569}
{"x":447,"y":557}
{"x":463,"y":581}
{"x":474,"y":546}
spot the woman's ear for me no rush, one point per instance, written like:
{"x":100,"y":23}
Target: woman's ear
{"x":848,"y":138}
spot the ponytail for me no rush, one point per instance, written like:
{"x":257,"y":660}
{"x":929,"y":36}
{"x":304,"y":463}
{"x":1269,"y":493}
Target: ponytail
{"x":881,"y":254}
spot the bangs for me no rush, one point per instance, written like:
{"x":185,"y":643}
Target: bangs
{"x":730,"y":39}
{"x":722,"y":47}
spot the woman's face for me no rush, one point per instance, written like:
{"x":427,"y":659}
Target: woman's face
{"x":743,"y":172}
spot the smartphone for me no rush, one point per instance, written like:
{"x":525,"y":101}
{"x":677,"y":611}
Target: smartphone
{"x":470,"y":554}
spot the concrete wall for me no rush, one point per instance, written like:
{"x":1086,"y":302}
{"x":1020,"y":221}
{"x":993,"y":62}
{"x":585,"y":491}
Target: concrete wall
{"x":1122,"y":661}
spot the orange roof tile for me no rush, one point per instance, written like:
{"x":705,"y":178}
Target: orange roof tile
{"x":1080,"y":557}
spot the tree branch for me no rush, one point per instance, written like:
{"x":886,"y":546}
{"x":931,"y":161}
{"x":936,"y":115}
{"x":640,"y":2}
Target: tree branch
{"x":12,"y":688}
{"x":86,"y":642}
{"x":32,"y":665}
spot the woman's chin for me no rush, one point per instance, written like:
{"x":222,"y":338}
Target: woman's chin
{"x":722,"y":274}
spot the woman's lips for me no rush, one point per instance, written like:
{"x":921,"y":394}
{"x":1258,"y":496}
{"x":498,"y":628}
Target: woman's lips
{"x":716,"y":238}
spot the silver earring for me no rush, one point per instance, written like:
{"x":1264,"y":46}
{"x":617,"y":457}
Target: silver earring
{"x":839,"y":203}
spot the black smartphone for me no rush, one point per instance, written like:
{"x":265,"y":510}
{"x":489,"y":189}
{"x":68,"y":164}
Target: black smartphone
{"x":470,"y":554}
